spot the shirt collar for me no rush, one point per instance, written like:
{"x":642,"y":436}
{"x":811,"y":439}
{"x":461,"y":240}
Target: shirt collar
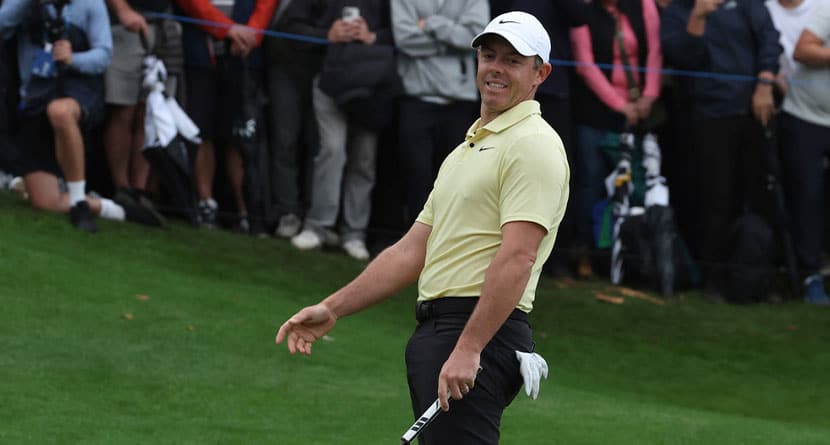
{"x":509,"y":118}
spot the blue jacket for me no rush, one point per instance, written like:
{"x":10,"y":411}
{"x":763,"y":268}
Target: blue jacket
{"x":740,"y":38}
{"x":89,"y":16}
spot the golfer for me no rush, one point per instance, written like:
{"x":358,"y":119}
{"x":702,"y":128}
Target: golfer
{"x":476,"y":249}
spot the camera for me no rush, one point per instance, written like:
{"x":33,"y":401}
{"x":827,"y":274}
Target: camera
{"x":51,"y":15}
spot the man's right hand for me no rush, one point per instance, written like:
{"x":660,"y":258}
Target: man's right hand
{"x":62,"y":52}
{"x":340,"y":31}
{"x":133,"y":21}
{"x":632,"y":115}
{"x":242,"y":38}
{"x":703,"y":8}
{"x":306,"y":327}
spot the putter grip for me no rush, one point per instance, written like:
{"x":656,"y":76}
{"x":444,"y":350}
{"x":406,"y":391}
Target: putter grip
{"x":426,"y":418}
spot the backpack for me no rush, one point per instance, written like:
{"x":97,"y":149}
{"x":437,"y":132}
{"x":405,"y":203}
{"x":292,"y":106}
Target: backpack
{"x":750,"y":271}
{"x":654,"y":251}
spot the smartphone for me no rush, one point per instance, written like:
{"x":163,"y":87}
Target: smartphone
{"x":350,"y":13}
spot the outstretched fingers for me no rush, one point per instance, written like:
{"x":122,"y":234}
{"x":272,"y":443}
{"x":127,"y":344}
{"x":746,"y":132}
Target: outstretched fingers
{"x":284,"y":330}
{"x":288,"y":332}
{"x":305,"y":327}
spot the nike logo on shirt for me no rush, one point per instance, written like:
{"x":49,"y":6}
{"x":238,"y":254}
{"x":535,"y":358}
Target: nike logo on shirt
{"x":486,"y":148}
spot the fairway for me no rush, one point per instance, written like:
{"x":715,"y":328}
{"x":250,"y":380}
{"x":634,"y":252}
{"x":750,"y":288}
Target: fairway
{"x":137,"y":335}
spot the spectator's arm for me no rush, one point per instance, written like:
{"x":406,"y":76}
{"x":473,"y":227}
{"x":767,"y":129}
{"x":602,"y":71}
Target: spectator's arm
{"x":811,"y":50}
{"x":458,"y":34}
{"x":590,"y":73}
{"x":409,"y":37}
{"x":12,"y":13}
{"x":261,"y":17}
{"x":119,"y":6}
{"x":204,"y":10}
{"x":679,"y":47}
{"x":654,"y":58}
{"x":128,"y":17}
{"x":97,"y":58}
{"x":766,"y":39}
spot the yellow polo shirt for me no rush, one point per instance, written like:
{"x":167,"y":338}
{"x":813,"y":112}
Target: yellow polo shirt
{"x":512,"y":169}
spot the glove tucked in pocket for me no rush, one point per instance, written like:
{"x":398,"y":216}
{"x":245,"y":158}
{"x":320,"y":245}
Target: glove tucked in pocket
{"x":532,"y":367}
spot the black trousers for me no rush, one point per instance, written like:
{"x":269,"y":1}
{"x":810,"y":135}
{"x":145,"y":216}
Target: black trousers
{"x":293,"y":129}
{"x":730,"y":175}
{"x":804,"y":145}
{"x":427,"y":133}
{"x":476,"y":418}
{"x":557,"y":112}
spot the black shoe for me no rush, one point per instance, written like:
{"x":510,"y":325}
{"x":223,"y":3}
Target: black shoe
{"x":257,"y":227}
{"x":138,"y":209}
{"x":81,"y":217}
{"x":713,"y":294}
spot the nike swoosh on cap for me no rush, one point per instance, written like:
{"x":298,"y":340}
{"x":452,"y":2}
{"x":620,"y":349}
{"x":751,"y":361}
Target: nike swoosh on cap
{"x":502,"y":22}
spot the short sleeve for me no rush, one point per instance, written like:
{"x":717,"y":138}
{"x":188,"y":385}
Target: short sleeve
{"x":534,"y":177}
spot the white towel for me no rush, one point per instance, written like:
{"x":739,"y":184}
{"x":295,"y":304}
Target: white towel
{"x":163,"y":118}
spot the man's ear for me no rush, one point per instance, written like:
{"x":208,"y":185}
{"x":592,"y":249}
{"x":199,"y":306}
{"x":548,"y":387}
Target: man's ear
{"x":543,"y":72}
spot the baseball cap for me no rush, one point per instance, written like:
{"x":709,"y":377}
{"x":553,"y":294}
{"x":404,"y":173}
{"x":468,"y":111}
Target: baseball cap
{"x":522,"y":30}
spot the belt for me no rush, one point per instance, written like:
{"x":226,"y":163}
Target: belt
{"x":454,"y":306}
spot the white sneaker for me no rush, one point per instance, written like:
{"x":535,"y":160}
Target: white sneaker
{"x":356,"y":249}
{"x":307,"y":240}
{"x":289,"y":226}
{"x":18,"y":186}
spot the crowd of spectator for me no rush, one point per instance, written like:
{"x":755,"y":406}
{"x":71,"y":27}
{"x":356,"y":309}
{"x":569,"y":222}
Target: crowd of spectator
{"x":325,"y":121}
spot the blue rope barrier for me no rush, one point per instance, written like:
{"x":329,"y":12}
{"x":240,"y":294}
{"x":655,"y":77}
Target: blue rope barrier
{"x":281,"y":35}
{"x":554,"y":62}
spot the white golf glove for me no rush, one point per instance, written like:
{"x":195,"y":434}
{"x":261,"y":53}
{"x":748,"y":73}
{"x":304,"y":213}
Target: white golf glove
{"x":533,"y":367}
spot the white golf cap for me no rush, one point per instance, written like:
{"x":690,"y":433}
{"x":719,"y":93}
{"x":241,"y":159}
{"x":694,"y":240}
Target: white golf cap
{"x":522,"y":30}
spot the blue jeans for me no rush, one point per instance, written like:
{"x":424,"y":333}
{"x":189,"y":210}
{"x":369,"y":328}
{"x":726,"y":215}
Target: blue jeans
{"x":592,"y":166}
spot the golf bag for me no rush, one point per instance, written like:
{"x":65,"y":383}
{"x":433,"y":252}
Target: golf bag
{"x":166,"y":130}
{"x":750,"y":272}
{"x":245,"y":133}
{"x":653,"y":252}
{"x":171,"y":164}
{"x":645,"y":240}
{"x":755,"y":240}
{"x":782,"y":217}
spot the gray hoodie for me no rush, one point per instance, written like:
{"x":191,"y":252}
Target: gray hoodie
{"x":436,"y":62}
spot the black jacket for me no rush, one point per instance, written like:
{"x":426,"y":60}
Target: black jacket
{"x":313,"y":18}
{"x":558,"y":17}
{"x":740,"y":39}
{"x":361,"y":78}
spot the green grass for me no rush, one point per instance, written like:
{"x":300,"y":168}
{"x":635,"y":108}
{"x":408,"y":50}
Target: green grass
{"x":196,"y":362}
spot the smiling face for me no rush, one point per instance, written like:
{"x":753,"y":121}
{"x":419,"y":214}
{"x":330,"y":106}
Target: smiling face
{"x":505,"y":77}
